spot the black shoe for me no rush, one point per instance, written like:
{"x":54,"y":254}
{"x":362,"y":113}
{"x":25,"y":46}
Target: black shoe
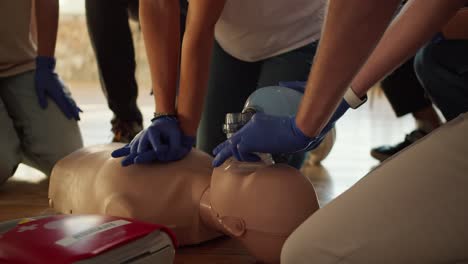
{"x":383,"y":152}
{"x":125,"y":131}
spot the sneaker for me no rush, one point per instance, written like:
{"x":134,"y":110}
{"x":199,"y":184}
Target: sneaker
{"x":125,"y":131}
{"x":384,"y":152}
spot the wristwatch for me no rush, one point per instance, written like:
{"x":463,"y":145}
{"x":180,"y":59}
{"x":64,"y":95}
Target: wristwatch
{"x":353,"y":100}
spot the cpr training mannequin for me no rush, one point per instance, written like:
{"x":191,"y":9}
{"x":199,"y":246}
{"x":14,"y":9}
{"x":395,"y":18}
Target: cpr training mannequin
{"x":258,"y":203}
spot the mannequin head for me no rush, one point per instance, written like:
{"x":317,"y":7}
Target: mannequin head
{"x":261,"y":204}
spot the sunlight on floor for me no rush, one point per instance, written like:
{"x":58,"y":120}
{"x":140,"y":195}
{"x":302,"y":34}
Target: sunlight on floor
{"x":27,"y":174}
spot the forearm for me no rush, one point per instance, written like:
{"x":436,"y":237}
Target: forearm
{"x":351,"y":30}
{"x":195,"y":64}
{"x":196,"y":57}
{"x":47,"y":15}
{"x":159,"y":21}
{"x":414,"y":26}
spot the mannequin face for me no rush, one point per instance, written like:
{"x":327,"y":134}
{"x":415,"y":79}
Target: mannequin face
{"x":261,"y":204}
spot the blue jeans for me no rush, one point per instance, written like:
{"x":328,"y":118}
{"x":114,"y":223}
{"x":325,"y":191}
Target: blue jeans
{"x":442,"y":69}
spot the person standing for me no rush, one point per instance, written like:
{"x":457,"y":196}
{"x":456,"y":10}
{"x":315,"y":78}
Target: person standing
{"x":111,"y":38}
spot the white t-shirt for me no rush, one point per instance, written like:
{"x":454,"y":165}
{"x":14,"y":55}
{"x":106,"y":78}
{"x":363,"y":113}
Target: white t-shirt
{"x":252,"y":30}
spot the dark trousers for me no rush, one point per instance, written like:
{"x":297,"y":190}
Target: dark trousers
{"x":404,"y":91}
{"x":232,"y":81}
{"x":442,"y":68}
{"x":112,"y":41}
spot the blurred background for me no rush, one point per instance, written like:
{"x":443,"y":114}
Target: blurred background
{"x":75,"y":58}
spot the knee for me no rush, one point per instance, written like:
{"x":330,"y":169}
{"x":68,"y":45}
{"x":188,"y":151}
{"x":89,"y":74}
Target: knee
{"x":427,"y":67}
{"x":293,"y":252}
{"x":46,"y":160}
{"x":300,"y":249}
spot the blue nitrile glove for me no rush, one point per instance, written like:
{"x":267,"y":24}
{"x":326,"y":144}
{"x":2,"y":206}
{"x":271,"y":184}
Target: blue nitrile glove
{"x":271,"y":134}
{"x":163,"y":141}
{"x":48,"y":83}
{"x":295,"y":85}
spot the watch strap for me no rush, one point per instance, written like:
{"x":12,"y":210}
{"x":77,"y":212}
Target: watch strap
{"x":353,"y":100}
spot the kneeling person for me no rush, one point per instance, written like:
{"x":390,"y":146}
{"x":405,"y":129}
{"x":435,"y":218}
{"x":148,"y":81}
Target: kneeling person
{"x":38,"y":117}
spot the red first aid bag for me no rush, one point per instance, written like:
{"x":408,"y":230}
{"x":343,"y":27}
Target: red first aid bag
{"x":86,"y":239}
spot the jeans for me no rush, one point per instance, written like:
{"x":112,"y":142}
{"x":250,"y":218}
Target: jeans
{"x":404,"y":91}
{"x":29,"y":134}
{"x":232,"y":81}
{"x":442,"y":68}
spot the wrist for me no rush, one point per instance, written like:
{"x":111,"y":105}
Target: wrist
{"x":164,"y":107}
{"x":300,"y":130}
{"x":188,"y":130}
{"x":354,"y":99}
{"x":303,"y":124}
{"x":165,"y":115}
{"x":45,"y":62}
{"x":188,"y":127}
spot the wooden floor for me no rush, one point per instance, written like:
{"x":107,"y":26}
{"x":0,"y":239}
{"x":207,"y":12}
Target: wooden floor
{"x":371,"y":125}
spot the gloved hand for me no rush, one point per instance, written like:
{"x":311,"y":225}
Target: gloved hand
{"x":163,"y":141}
{"x":271,"y":134}
{"x":48,"y":83}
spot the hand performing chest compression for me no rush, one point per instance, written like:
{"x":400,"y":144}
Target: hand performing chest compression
{"x":162,"y":141}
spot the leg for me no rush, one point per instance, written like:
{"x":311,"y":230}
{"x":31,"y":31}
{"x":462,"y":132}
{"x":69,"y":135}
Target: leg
{"x":133,"y":10}
{"x":406,"y":95}
{"x":397,"y":213}
{"x":11,"y":149}
{"x":46,"y":135}
{"x":403,"y":90}
{"x":230,"y":84}
{"x":111,"y":38}
{"x":291,"y":66}
{"x":443,"y":70}
{"x":183,"y":16}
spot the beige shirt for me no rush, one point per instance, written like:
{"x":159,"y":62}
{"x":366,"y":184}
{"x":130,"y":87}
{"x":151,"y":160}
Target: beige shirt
{"x":252,"y":30}
{"x":17,"y":47}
